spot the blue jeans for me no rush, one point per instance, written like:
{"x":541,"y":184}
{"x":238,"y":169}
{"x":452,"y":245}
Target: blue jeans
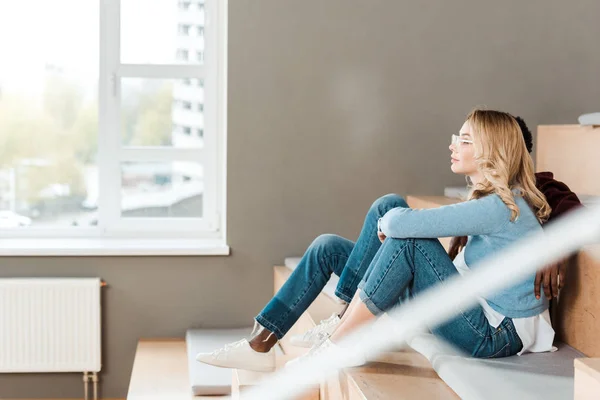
{"x":326,"y":255}
{"x":386,"y":274}
{"x":419,"y":264}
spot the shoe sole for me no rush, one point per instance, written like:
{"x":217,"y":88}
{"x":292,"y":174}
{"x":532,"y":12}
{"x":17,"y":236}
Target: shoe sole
{"x":248,"y":367}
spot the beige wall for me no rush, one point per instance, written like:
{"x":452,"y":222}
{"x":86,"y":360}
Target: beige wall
{"x":333,"y":103}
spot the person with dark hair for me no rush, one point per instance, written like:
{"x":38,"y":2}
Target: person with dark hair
{"x":561,"y":200}
{"x":527,"y":136}
{"x":506,"y":202}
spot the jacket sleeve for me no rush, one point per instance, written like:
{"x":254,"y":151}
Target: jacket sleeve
{"x":558,"y":195}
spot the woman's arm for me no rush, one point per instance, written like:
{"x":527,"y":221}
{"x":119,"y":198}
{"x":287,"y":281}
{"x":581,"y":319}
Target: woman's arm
{"x":475,"y":217}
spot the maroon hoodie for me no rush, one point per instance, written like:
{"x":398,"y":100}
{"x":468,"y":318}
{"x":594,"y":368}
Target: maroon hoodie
{"x":558,"y":195}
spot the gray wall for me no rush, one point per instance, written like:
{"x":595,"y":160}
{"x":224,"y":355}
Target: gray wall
{"x":331,"y":104}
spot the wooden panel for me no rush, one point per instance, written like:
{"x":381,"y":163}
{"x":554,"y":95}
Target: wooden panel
{"x":333,"y":388}
{"x":578,"y":312}
{"x":432,"y":202}
{"x":160,"y":371}
{"x":587,"y":379}
{"x":243,"y":379}
{"x":399,"y":375}
{"x":571,"y":153}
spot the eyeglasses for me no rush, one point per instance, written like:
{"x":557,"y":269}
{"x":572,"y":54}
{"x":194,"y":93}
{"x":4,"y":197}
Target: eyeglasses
{"x":457,"y":140}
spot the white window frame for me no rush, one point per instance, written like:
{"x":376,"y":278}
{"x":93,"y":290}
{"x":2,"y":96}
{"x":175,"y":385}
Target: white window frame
{"x":111,"y":153}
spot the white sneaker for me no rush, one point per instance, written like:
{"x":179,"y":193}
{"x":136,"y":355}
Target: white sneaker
{"x":346,"y":358}
{"x":311,"y":337}
{"x":239,"y":355}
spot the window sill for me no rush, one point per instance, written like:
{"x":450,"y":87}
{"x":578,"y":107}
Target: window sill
{"x":112,"y":247}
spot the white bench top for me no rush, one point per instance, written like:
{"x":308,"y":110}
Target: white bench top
{"x":533,"y":376}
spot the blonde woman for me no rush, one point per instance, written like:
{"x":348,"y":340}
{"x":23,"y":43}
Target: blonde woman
{"x":407,"y":258}
{"x":504,"y":206}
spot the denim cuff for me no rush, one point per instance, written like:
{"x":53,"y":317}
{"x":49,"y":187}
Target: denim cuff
{"x":343,"y":296}
{"x":368,"y":302}
{"x":266,"y":324}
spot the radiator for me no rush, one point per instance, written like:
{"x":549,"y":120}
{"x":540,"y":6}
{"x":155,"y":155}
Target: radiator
{"x":50,"y":325}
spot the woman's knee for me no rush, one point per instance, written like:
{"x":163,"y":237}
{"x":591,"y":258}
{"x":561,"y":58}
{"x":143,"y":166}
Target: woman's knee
{"x":325,"y":242}
{"x":330,"y":253}
{"x":388,"y":202}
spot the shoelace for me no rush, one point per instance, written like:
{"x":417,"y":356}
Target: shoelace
{"x":324,"y":324}
{"x":228,"y":347}
{"x":319,"y":347}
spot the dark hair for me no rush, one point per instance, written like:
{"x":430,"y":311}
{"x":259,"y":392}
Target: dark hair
{"x":526,"y":133}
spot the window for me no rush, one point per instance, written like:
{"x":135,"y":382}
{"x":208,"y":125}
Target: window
{"x":184,"y":29}
{"x":182,"y":54}
{"x":201,"y":6}
{"x":106,"y":143}
{"x":200,"y":31}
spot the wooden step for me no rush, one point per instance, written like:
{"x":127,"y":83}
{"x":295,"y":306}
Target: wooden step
{"x":160,"y":371}
{"x":571,"y":153}
{"x":587,"y":378}
{"x":243,"y":379}
{"x":398,"y":375}
{"x":576,"y":319}
{"x":432,"y":202}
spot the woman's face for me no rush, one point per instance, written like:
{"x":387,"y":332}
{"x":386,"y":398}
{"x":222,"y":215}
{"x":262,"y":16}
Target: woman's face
{"x":463,"y":152}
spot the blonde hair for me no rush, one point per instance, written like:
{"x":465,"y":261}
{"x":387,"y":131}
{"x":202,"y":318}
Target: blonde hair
{"x":503,"y":160}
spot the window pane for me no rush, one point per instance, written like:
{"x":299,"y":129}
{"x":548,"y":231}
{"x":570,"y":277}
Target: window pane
{"x":48,"y":112}
{"x":162,"y":189}
{"x":161,"y":112}
{"x":165,"y":32}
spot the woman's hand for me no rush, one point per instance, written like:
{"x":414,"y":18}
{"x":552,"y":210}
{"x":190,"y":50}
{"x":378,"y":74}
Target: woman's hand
{"x":381,"y":236}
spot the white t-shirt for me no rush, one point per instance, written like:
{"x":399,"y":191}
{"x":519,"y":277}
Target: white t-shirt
{"x":536,"y":332}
